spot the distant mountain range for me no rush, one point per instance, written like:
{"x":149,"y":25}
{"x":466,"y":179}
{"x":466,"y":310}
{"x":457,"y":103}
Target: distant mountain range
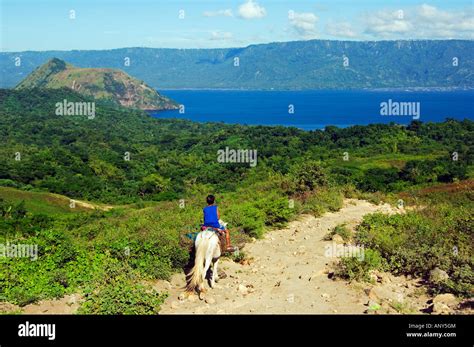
{"x":100,"y":83}
{"x":314,"y":64}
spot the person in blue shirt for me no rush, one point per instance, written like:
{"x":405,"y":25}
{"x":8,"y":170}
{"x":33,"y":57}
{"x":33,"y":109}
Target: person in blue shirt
{"x":211,"y":219}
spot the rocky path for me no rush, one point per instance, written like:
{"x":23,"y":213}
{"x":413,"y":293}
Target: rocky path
{"x":286,"y":272}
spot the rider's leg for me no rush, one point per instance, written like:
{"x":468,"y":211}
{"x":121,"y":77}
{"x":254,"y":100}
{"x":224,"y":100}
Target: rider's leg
{"x":227,"y":237}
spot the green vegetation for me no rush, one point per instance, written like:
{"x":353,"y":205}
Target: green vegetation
{"x":355,"y":268}
{"x":437,"y":235}
{"x":41,"y":202}
{"x":342,"y":231}
{"x":86,"y":159}
{"x":147,"y":168}
{"x":119,"y":293}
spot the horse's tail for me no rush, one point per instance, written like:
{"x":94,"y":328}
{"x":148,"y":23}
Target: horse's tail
{"x":196,"y":275}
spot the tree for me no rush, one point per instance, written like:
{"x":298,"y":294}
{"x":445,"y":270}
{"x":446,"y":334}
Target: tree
{"x":308,"y":175}
{"x":153,"y":184}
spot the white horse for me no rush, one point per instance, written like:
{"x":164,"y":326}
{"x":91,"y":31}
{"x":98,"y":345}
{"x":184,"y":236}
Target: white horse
{"x":208,"y":251}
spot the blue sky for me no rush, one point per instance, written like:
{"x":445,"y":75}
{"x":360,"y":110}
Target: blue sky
{"x":106,"y":24}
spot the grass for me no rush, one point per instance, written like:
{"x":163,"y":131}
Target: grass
{"x":402,"y":307}
{"x":383,"y":161}
{"x":41,"y":203}
{"x":342,"y":230}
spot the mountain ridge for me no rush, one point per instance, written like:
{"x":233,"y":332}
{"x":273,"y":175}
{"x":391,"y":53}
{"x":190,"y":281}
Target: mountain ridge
{"x":294,"y":65}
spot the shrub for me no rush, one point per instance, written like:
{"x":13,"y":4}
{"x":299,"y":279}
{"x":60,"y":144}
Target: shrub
{"x":340,"y":230}
{"x":155,"y":256}
{"x":380,"y":232}
{"x":354,"y":268}
{"x":9,"y":183}
{"x":460,"y":282}
{"x":276,"y":209}
{"x":248,"y":218}
{"x":379,"y":179}
{"x":120,"y":294}
{"x":307,"y":176}
{"x":323,"y":200}
{"x":26,"y":280}
{"x":238,"y":257}
{"x":418,"y":241}
{"x":350,"y":191}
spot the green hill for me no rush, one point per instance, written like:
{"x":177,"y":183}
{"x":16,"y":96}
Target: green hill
{"x":46,"y":203}
{"x":107,"y":84}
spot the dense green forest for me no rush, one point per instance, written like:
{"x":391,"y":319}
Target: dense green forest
{"x":84,"y":158}
{"x":155,"y":173}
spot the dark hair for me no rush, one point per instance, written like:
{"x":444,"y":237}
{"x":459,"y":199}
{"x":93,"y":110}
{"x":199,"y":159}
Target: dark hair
{"x":210,"y":199}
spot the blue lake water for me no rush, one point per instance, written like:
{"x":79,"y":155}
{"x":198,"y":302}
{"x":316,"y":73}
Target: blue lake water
{"x":314,"y":109}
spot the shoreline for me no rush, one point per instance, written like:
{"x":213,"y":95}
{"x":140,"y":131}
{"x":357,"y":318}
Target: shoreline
{"x":302,"y":127}
{"x":401,"y":89}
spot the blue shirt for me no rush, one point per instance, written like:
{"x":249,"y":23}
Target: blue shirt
{"x":210,"y":216}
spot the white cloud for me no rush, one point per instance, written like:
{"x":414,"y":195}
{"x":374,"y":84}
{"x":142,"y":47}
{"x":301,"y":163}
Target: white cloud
{"x":423,"y":21}
{"x":388,"y":23}
{"x":428,"y":11}
{"x":304,"y":23}
{"x":218,"y":13}
{"x":340,"y":29}
{"x":251,"y":10}
{"x":445,"y":24}
{"x":221,"y":36}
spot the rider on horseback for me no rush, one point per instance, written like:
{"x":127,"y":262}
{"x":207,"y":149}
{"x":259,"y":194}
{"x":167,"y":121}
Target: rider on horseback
{"x":211,"y":220}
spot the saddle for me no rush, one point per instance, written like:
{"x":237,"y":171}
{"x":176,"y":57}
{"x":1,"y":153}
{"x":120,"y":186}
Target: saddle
{"x":221,"y":235}
{"x":222,"y":242}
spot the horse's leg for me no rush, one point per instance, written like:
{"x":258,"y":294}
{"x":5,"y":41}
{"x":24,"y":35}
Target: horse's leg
{"x":215,"y":276}
{"x":215,"y":260}
{"x":207,"y":265}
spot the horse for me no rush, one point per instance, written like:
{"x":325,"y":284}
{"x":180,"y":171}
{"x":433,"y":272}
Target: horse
{"x":208,"y":250}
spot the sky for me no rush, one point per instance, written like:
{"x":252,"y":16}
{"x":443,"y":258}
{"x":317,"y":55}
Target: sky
{"x":41,"y":25}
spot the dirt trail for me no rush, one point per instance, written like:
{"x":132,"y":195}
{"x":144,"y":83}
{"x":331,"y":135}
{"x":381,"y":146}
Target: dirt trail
{"x":287,"y":273}
{"x":92,"y":206}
